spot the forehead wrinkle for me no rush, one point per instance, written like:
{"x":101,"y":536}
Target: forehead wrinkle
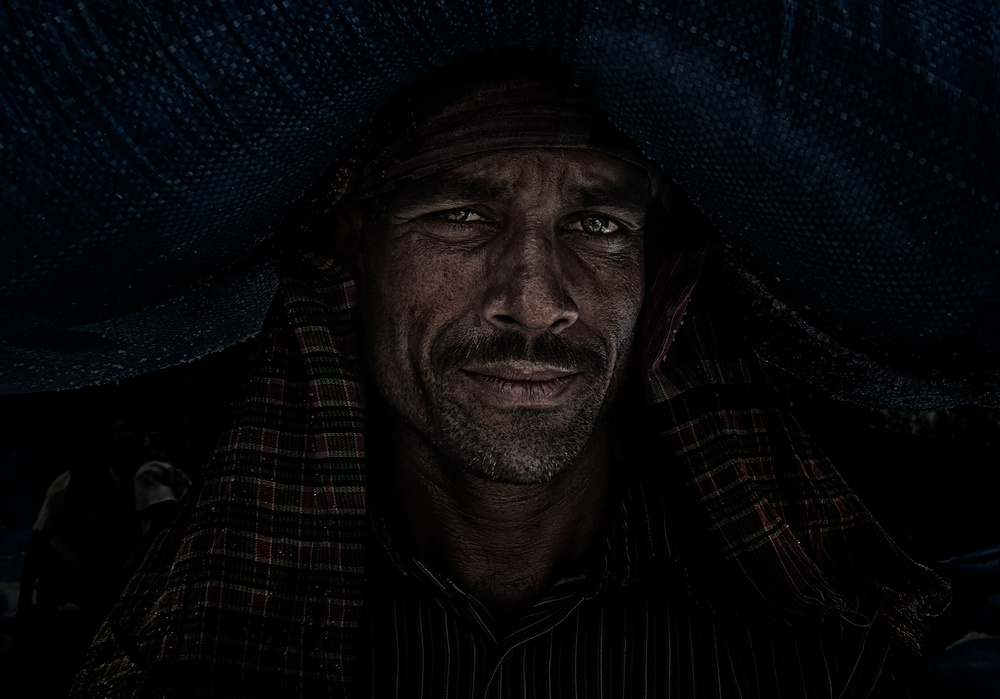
{"x":454,"y":186}
{"x":488,"y":179}
{"x":610,"y":195}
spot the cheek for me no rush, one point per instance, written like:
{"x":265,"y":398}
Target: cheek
{"x":619,"y":297}
{"x":626,"y":316}
{"x":413,"y":297}
{"x":631,"y":284}
{"x":440,"y":296}
{"x":387,"y":296}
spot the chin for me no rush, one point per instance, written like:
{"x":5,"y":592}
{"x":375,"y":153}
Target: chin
{"x":528,"y":451}
{"x":513,"y":471}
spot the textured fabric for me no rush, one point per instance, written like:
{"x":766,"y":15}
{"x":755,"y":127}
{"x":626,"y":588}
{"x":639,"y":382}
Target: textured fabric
{"x":257,"y":588}
{"x":761,"y":490}
{"x":632,"y":626}
{"x":441,"y":122}
{"x":845,"y":148}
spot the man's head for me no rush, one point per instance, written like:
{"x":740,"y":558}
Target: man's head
{"x":503,"y":284}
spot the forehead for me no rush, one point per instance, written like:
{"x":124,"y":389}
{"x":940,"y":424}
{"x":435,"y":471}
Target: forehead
{"x":588,"y":177}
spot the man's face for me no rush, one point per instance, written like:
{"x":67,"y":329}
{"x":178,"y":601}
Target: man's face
{"x":501,"y":300}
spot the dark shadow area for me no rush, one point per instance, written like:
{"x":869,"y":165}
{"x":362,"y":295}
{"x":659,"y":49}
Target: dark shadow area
{"x":928,"y":478}
{"x":71,"y":527}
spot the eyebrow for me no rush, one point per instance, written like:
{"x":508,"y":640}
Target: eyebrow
{"x":612,"y":195}
{"x":449,"y":186}
{"x":458,"y":187}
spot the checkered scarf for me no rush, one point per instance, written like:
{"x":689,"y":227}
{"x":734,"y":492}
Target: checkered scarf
{"x":256,"y":590}
{"x":756,"y":488}
{"x":257,"y":587}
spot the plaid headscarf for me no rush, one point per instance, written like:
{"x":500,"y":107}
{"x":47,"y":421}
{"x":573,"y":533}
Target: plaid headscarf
{"x":257,"y":587}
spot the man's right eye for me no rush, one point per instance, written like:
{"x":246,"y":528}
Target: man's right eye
{"x":459,"y":215}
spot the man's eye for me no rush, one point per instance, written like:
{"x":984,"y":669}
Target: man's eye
{"x":459,"y":215}
{"x":597,"y":225}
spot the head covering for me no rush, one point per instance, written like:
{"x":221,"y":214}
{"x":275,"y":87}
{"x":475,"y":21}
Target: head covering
{"x":843,"y":149}
{"x":257,"y":588}
{"x":485,"y":105}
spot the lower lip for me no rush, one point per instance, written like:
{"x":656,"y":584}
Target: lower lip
{"x":527,"y":393}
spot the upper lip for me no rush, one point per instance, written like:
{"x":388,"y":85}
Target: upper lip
{"x":520,"y":370}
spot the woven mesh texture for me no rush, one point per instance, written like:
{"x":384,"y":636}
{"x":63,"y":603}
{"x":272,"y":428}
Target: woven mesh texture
{"x":848,"y":152}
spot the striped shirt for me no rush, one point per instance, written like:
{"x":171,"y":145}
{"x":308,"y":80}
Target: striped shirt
{"x":634,"y":625}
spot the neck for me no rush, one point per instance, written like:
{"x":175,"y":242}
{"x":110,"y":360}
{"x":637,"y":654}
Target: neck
{"x":504,"y":544}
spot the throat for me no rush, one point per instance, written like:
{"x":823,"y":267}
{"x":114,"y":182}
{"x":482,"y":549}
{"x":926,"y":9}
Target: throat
{"x":508,"y":583}
{"x":504,"y":544}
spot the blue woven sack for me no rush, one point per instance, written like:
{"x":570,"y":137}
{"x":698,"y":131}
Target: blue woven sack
{"x":848,"y":151}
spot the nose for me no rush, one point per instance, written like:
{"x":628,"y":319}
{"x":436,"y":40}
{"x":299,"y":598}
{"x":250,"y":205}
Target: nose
{"x":528,"y":288}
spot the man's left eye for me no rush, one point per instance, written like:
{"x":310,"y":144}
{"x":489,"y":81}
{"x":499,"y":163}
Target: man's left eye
{"x":459,"y":215}
{"x":597,"y":225}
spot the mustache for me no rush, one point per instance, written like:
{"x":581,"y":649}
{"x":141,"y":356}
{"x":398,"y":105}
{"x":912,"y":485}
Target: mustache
{"x":514,"y":346}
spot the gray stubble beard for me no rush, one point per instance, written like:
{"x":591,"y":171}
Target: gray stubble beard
{"x":523,"y":453}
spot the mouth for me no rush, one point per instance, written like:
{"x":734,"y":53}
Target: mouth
{"x":521,"y":383}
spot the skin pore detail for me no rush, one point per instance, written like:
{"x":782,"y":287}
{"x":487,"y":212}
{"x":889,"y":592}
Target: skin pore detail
{"x":501,"y":298}
{"x":500,"y":338}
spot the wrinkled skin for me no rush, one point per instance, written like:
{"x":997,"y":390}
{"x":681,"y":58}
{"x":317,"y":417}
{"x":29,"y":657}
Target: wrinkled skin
{"x":501,"y":300}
